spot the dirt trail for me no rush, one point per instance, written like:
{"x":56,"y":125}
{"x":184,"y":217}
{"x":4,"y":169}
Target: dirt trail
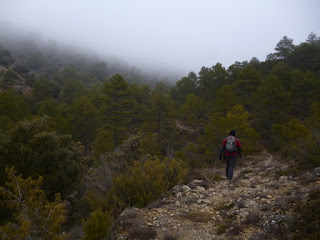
{"x":180,"y":126}
{"x":256,"y":204}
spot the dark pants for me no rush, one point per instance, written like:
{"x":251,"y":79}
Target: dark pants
{"x":230,"y":161}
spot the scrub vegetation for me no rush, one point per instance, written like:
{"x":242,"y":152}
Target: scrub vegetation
{"x":82,"y":139}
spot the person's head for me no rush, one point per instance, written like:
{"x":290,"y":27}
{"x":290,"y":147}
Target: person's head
{"x":233,"y":133}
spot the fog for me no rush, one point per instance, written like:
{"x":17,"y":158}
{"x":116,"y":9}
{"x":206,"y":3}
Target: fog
{"x":175,"y":36}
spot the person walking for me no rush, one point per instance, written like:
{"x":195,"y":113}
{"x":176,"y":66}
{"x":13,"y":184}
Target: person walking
{"x":230,"y":146}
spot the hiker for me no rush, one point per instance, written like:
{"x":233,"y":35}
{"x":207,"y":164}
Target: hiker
{"x":230,"y":147}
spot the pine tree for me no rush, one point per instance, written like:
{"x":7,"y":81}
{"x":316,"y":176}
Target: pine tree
{"x":118,"y":109}
{"x":34,"y":217}
{"x":83,"y":121}
{"x":161,"y":114}
{"x":248,"y":81}
{"x":271,"y":104}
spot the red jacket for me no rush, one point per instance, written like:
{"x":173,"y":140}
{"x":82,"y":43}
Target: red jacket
{"x":238,"y":146}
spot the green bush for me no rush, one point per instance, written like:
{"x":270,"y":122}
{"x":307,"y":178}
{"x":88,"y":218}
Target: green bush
{"x":98,"y":226}
{"x":175,"y":172}
{"x":217,"y":177}
{"x":142,"y":183}
{"x":33,"y":216}
{"x":312,"y":149}
{"x":299,"y":140}
{"x":103,"y":142}
{"x":308,"y":221}
{"x":290,"y":139}
{"x":149,"y":144}
{"x":311,"y":152}
{"x":196,"y":155}
{"x":145,"y":182}
{"x":35,"y":150}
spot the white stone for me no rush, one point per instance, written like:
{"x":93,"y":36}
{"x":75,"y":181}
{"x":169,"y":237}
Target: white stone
{"x":200,"y":189}
{"x":185,"y":189}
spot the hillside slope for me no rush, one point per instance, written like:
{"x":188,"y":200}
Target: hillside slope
{"x":259,"y":203}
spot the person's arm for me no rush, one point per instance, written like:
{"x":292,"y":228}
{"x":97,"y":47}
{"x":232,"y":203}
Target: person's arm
{"x":238,"y":144}
{"x":222,"y":148}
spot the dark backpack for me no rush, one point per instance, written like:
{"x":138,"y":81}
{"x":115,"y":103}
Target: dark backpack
{"x":231,"y":144}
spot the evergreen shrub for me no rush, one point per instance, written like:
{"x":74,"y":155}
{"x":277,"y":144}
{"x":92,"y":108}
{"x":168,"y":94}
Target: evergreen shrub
{"x":98,"y":225}
{"x":144,"y":182}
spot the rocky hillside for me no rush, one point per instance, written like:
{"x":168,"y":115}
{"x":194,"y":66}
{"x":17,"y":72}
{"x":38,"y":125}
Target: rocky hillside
{"x":261,"y":202}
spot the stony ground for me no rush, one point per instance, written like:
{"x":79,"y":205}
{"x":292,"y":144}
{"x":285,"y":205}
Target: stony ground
{"x":257,"y":204}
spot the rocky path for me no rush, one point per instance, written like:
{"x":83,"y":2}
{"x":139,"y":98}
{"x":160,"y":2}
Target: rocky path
{"x":257,"y":204}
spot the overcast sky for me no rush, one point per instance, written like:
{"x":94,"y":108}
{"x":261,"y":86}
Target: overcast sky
{"x":176,"y":34}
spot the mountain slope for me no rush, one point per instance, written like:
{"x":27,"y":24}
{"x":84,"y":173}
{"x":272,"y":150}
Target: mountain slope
{"x":259,"y":203}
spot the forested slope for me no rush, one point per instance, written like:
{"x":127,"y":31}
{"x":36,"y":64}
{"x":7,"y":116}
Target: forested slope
{"x":104,"y":139}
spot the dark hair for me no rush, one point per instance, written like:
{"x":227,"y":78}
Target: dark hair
{"x":233,"y":133}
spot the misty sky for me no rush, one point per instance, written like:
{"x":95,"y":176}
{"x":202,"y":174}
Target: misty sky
{"x":180,"y":35}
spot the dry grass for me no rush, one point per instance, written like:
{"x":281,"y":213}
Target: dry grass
{"x":252,"y":218}
{"x":169,"y":236}
{"x":235,"y":230}
{"x":240,"y":204}
{"x":199,"y":217}
{"x":142,"y":233}
{"x":225,"y":206}
{"x":260,"y":236}
{"x":128,"y":218}
{"x":217,"y":177}
{"x":157,"y":204}
{"x":221,"y":229}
